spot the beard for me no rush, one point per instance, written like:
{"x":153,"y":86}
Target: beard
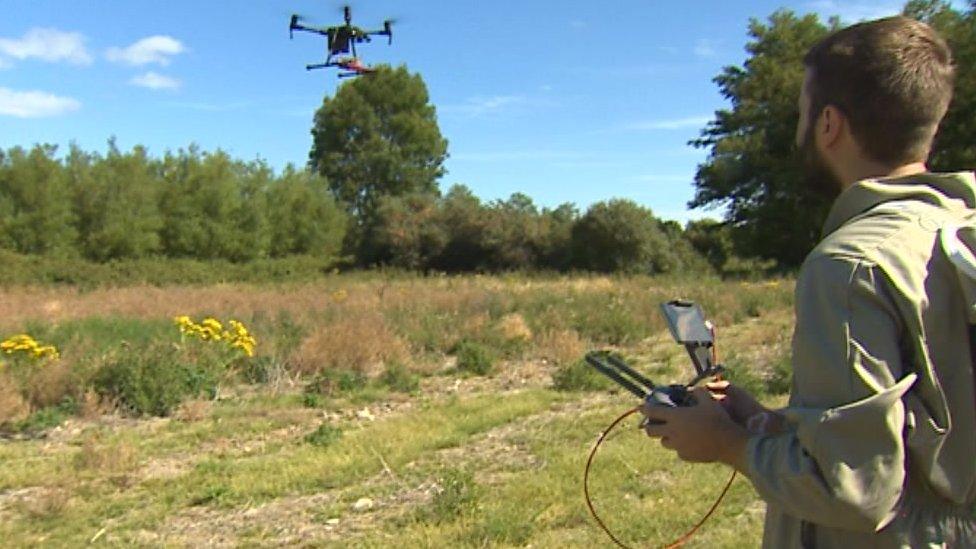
{"x":817,"y":175}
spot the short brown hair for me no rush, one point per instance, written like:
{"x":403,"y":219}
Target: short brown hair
{"x":893,"y":80}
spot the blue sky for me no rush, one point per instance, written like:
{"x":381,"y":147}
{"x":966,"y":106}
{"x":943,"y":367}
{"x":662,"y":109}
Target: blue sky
{"x":565,"y":101}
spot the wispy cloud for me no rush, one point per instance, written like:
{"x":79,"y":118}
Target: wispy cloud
{"x":155,"y":81}
{"x":670,"y":123}
{"x":49,"y":45}
{"x":852,"y":12}
{"x":34,"y":104}
{"x":219,"y":107}
{"x":704,"y":48}
{"x":481,"y":106}
{"x":578,"y":24}
{"x":153,"y":49}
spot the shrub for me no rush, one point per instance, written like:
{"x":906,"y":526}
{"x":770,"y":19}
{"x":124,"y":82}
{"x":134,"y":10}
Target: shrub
{"x":578,"y":376}
{"x":153,"y":381}
{"x":620,"y":236}
{"x":473,"y":358}
{"x":400,"y":379}
{"x":329,"y":383}
{"x":326,"y":435}
{"x":356,"y":341}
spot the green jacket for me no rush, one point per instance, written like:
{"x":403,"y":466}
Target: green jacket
{"x":881,"y":449}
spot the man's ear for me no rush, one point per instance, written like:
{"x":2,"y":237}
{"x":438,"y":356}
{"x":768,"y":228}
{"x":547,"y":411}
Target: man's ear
{"x":831,"y":125}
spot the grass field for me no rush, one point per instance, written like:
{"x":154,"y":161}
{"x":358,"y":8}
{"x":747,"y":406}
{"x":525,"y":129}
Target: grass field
{"x":378,"y":410}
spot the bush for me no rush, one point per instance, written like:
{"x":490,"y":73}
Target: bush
{"x":326,"y":435}
{"x":332,"y":382}
{"x":579,"y":376}
{"x":400,"y":379}
{"x":620,"y":236}
{"x":153,"y":381}
{"x":473,"y":358}
{"x":48,"y":417}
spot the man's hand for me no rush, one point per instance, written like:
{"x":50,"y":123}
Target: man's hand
{"x":703,"y":433}
{"x":745,"y":409}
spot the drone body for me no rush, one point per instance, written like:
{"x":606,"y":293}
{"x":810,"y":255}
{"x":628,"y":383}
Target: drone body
{"x":341,"y":43}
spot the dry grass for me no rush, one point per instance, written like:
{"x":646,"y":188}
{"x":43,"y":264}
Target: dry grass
{"x":45,"y":503}
{"x":105,"y":458}
{"x":560,"y":346}
{"x":49,"y":383}
{"x":361,"y":341}
{"x":13,"y":407}
{"x":514,"y":328}
{"x":193,"y":410}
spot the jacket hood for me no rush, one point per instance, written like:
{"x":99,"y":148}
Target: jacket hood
{"x":959,"y":244}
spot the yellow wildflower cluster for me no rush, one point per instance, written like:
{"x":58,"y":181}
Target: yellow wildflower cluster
{"x":210,"y":329}
{"x":27,"y":345}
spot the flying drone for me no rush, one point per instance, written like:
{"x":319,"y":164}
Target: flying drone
{"x":342,"y":40}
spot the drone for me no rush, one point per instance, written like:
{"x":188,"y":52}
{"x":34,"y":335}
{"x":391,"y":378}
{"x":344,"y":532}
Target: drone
{"x":342,"y":40}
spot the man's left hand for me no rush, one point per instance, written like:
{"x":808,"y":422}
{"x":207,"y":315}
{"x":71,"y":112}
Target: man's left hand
{"x":701,"y":433}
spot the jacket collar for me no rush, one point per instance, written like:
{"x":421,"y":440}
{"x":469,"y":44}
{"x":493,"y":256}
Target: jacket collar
{"x":944,"y":189}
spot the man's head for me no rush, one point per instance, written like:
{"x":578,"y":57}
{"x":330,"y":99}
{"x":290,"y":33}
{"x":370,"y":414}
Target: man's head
{"x":875,"y":93}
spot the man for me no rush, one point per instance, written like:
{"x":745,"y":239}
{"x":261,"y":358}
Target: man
{"x":877,"y":447}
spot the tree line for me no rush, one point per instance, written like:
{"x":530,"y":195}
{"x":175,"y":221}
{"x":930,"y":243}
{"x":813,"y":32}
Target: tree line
{"x":208,"y":206}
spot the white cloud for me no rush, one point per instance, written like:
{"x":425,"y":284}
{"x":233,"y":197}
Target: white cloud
{"x":480,"y":106}
{"x":852,"y":12}
{"x":34,"y":104}
{"x":47,"y":45}
{"x":704,"y":48}
{"x":153,"y":49}
{"x":671,"y":124}
{"x":578,"y":24}
{"x":155,"y":81}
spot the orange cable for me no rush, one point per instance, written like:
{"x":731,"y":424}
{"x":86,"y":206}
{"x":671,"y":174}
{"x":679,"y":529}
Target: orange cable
{"x":589,"y":503}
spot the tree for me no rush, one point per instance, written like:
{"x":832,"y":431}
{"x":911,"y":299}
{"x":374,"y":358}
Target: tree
{"x":462,"y":216}
{"x":751,"y":168}
{"x":407,"y":232}
{"x":115,"y":203}
{"x":35,"y":206}
{"x":213,"y":207}
{"x":953,"y":149}
{"x":378,"y":137}
{"x":303,"y":216}
{"x":712,"y":240}
{"x":620,"y":236}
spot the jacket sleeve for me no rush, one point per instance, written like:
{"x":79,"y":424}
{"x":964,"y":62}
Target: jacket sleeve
{"x":842,"y":462}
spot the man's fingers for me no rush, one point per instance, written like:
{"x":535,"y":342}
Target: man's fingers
{"x":720,"y":386}
{"x":657,"y":411}
{"x":656,"y":430}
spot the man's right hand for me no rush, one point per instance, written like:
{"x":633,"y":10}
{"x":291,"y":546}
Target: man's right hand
{"x":745,"y":409}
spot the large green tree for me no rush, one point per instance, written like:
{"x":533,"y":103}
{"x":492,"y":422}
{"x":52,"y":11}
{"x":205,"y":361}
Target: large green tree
{"x":378,"y":137}
{"x":752,"y":169}
{"x":35,"y":206}
{"x":115,"y":202}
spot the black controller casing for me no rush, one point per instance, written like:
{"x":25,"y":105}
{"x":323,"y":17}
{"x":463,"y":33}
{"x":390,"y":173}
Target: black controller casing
{"x":669,"y":396}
